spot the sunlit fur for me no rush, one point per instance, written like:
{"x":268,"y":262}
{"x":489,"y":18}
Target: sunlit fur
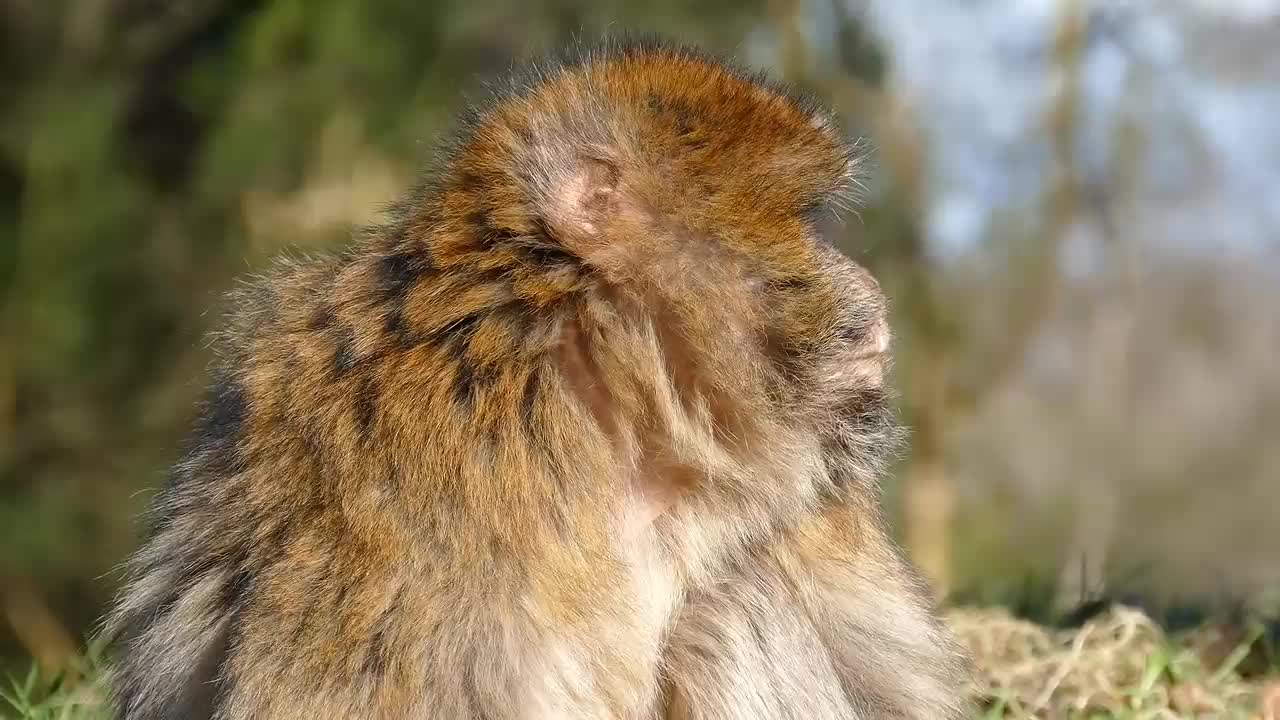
{"x":591,"y":427}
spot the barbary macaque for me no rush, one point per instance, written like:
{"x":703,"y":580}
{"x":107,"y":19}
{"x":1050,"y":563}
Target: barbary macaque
{"x":591,"y":427}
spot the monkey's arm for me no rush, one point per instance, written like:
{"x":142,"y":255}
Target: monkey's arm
{"x":826,"y":622}
{"x":353,"y":535}
{"x":307,"y":617}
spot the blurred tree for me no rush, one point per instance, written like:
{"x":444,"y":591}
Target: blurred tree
{"x":944,"y":368}
{"x":151,"y":151}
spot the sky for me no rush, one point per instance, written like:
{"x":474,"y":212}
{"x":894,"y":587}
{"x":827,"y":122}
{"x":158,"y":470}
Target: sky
{"x":1198,"y":77}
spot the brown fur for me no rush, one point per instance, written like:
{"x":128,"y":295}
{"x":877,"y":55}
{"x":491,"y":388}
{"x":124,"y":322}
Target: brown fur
{"x":591,"y":428}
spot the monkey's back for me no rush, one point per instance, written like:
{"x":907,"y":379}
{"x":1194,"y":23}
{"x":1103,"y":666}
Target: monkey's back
{"x":378,"y":454}
{"x":413,"y":487}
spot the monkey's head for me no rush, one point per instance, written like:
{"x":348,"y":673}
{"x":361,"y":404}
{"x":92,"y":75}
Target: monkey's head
{"x":696,"y":190}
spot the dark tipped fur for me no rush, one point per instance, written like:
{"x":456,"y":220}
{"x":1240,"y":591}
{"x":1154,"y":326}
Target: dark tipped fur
{"x":591,"y":427}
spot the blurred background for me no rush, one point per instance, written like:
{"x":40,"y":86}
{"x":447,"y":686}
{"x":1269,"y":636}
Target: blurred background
{"x":1073,"y":205}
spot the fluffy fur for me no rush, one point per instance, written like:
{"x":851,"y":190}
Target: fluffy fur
{"x":590,"y":428}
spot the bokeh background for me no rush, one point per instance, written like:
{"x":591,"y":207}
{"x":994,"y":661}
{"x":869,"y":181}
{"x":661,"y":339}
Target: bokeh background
{"x":1074,"y":206}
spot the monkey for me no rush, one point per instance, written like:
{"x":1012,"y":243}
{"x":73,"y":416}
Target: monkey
{"x":590,"y":426}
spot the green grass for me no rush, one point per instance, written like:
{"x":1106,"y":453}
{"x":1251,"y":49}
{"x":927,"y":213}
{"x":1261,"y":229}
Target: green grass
{"x":1118,"y":666}
{"x":74,"y":694}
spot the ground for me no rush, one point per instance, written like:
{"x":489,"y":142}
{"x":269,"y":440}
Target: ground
{"x":1119,"y":665}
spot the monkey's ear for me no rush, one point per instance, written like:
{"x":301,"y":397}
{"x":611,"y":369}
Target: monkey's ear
{"x":583,"y":201}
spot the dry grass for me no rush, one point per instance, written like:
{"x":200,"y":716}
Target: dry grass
{"x":1118,"y":666}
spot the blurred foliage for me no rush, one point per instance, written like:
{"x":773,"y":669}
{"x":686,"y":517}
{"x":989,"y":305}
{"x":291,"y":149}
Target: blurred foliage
{"x":152,"y":151}
{"x":148,"y":151}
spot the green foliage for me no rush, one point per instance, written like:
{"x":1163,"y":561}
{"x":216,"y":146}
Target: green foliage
{"x":139,"y":155}
{"x":77,"y":693}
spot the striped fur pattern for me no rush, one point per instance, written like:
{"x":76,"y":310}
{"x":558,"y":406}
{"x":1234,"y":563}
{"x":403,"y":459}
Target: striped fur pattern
{"x":591,"y":427}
